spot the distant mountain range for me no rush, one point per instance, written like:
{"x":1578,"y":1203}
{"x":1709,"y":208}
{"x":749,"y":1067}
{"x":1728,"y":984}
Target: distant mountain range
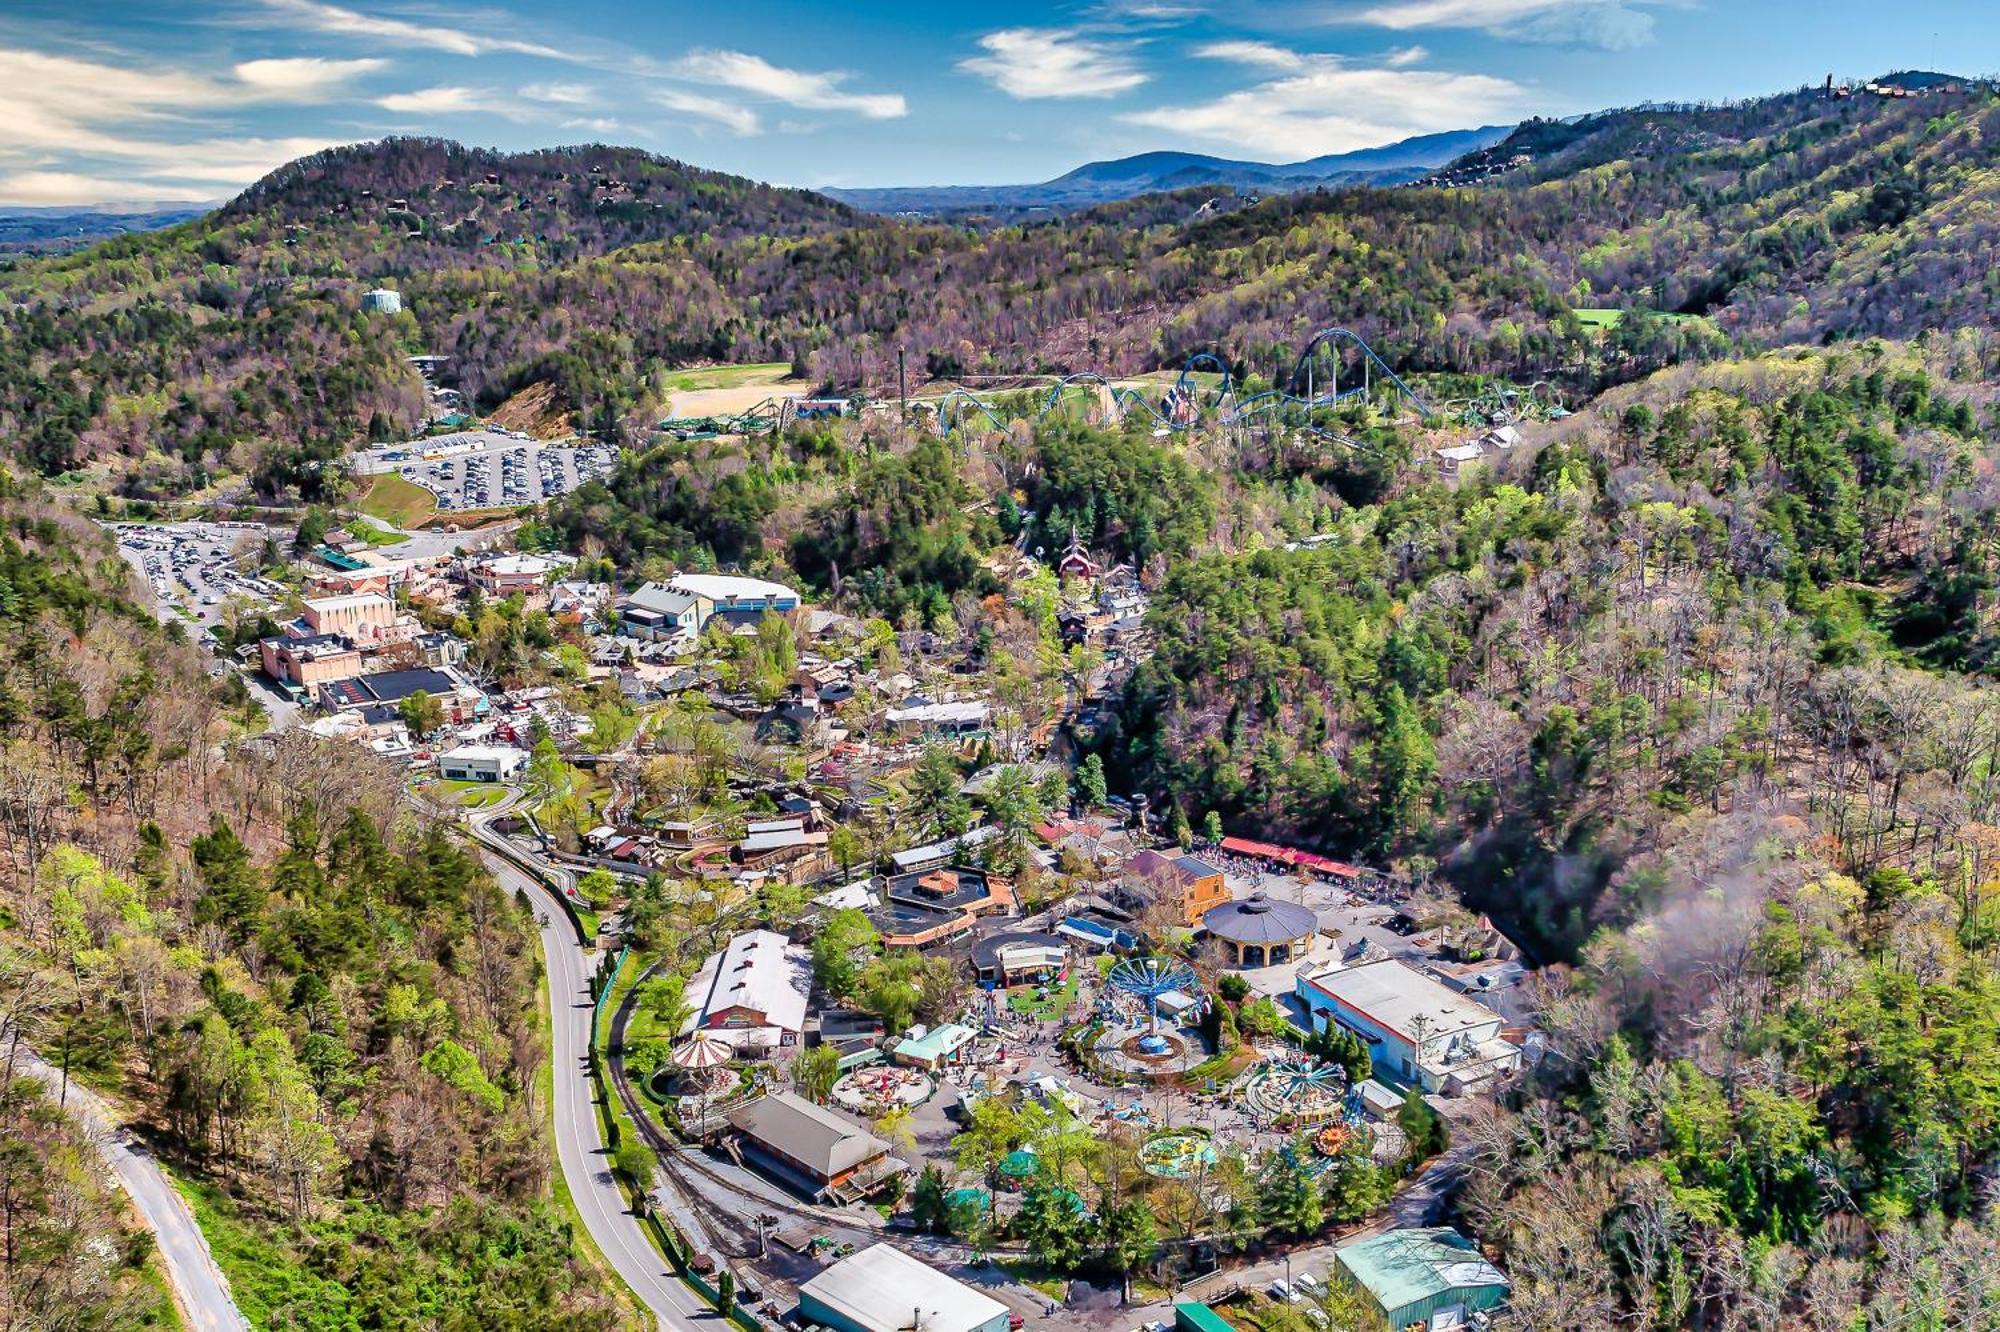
{"x":1148,"y":173}
{"x":44,"y":230}
{"x":25,"y":229}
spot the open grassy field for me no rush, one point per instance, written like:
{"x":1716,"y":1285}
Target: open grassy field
{"x":394,"y":500}
{"x":725,"y":390}
{"x":376,"y":536}
{"x":729,"y":376}
{"x":1604,"y":320}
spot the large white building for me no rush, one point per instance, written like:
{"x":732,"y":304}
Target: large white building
{"x":1417,"y":1030}
{"x":883,"y":1289}
{"x":730,"y":592}
{"x":752,"y":994}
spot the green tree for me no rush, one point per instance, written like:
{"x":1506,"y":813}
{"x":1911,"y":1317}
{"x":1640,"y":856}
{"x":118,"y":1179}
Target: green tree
{"x":844,"y":845}
{"x":1425,"y":1133}
{"x":232,"y":892}
{"x":1054,"y":1225}
{"x":1127,"y":1235}
{"x":891,"y":988}
{"x":1334,"y":1044}
{"x":935,"y":801}
{"x":1405,"y":760}
{"x":815,"y":1070}
{"x":664,"y":999}
{"x":844,"y":936}
{"x":1090,"y":787}
{"x":422,"y":713}
{"x":1287,"y":1197}
{"x":930,"y":1200}
{"x":633,"y":1159}
{"x":1352,"y":1185}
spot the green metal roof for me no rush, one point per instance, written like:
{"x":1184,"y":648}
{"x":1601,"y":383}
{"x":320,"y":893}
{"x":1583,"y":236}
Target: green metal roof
{"x":340,"y":561}
{"x":935,"y":1044}
{"x":1402,"y":1267}
{"x":1020,"y":1163}
{"x":1194,"y":1316}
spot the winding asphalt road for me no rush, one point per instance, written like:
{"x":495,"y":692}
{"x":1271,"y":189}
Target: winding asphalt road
{"x":580,"y":1149}
{"x":199,"y":1287}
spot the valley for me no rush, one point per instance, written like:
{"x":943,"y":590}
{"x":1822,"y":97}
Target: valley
{"x":1406,"y":739}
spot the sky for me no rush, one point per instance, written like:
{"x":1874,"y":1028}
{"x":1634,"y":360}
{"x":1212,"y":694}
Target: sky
{"x":108,"y":101}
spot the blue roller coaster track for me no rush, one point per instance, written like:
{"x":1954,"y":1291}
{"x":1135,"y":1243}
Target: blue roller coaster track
{"x":1188,"y":402}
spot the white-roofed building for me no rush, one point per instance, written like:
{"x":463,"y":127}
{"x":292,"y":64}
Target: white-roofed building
{"x":883,"y":1289}
{"x":481,"y":763}
{"x":941,"y":718}
{"x":1417,"y":1030}
{"x":917,"y":859}
{"x":752,"y":994}
{"x":730,"y":592}
{"x":1452,"y":459}
{"x":498,"y":575}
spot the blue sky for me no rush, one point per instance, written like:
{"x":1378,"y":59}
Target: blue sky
{"x":116,"y":100}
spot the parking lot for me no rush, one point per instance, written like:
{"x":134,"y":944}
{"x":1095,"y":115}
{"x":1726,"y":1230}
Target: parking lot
{"x":191,"y":568}
{"x":490,"y":469}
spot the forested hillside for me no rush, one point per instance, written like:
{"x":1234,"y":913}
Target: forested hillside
{"x":325,"y":1013}
{"x":1536,"y":681}
{"x":205,"y":340}
{"x":598,"y":269}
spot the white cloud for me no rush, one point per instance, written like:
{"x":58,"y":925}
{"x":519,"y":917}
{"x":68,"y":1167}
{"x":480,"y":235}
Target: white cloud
{"x":1400,"y":57}
{"x":1262,"y":55}
{"x":740,"y":119}
{"x":449,"y":101}
{"x":560,"y":94}
{"x":1331,"y":106}
{"x":227,"y":162}
{"x":1053,"y":62}
{"x":74,"y":127}
{"x":44,"y":189}
{"x":435,"y":37}
{"x":1611,"y":24}
{"x":794,"y":87}
{"x":303,"y":77}
{"x":62,"y":105}
{"x":1153,"y":11}
{"x":595,"y":124}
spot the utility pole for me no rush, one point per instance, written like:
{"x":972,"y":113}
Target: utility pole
{"x":903,"y":385}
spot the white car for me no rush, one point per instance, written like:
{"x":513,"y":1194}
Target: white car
{"x":1306,"y":1283}
{"x":1281,"y":1292}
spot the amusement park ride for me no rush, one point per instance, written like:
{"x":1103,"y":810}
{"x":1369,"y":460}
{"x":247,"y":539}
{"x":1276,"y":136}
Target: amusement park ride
{"x":1335,"y":368}
{"x":1300,"y":404}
